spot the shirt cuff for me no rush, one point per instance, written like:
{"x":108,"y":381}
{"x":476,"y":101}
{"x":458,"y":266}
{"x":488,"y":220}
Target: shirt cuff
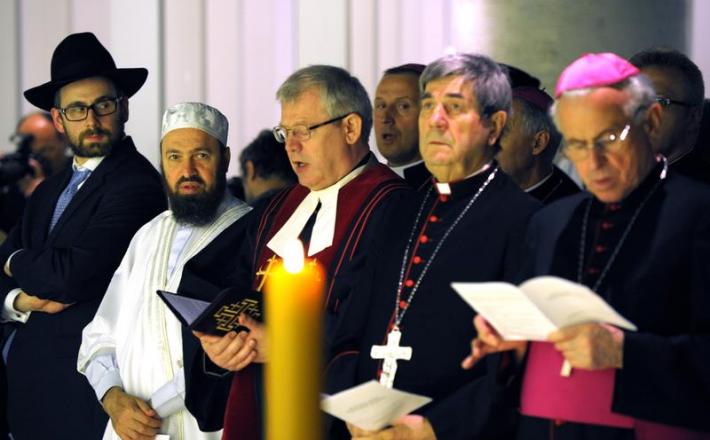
{"x":170,"y":398}
{"x":6,"y":268}
{"x":103,"y":374}
{"x":8,"y":310}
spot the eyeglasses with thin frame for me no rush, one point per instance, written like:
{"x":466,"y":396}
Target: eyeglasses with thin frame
{"x":80,"y":112}
{"x":301,"y":132}
{"x":611,"y":141}
{"x":667,"y":102}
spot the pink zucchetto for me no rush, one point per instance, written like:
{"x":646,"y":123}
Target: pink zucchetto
{"x":594,"y":70}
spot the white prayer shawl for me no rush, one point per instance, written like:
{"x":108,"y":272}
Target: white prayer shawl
{"x":133,"y":323}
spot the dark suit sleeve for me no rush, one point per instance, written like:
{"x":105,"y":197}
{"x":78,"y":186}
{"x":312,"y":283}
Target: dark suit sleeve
{"x":9,"y":246}
{"x":71,"y":274}
{"x":673,"y":370}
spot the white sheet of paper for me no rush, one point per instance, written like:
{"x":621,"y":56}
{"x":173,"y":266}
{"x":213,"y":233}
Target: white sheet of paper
{"x":371,"y":405}
{"x":162,"y":437}
{"x":538,"y":307}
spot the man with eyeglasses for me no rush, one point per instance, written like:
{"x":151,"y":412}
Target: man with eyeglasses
{"x":77,"y":225}
{"x":640,"y":239}
{"x":681,"y":91}
{"x":341,"y":210}
{"x":396,"y":111}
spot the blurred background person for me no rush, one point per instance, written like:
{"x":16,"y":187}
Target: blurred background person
{"x":265,"y":168}
{"x":40,"y":151}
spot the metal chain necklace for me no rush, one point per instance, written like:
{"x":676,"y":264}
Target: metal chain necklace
{"x":617,"y":248}
{"x":399,"y":312}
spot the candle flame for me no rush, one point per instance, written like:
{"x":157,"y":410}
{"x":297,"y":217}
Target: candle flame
{"x":293,"y":257}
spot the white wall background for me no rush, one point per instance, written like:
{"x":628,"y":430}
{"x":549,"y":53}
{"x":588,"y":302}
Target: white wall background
{"x":233,"y":54}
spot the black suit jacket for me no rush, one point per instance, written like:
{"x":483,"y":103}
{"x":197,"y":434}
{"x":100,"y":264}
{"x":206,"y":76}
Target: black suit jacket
{"x":72,"y":264}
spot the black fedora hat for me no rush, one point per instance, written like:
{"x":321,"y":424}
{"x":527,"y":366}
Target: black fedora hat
{"x":81,"y":56}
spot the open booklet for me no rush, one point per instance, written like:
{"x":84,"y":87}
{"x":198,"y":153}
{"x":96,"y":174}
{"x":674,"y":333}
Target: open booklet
{"x":371,"y":405}
{"x":538,"y":307}
{"x":218,"y":317}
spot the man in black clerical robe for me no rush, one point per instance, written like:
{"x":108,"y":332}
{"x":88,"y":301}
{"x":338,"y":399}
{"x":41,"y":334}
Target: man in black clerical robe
{"x":467,"y":225}
{"x":340,"y":180}
{"x":680,"y":89}
{"x":640,"y":240}
{"x":530,"y":141}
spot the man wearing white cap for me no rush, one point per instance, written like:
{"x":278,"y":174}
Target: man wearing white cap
{"x":132,"y":351}
{"x":640,"y":239}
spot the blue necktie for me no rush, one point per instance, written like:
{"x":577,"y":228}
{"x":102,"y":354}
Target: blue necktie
{"x":76,"y":179}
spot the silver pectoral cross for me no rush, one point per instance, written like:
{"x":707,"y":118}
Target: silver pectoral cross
{"x":390,"y":353}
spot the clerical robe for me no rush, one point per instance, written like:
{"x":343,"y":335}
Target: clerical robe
{"x":659,"y":280}
{"x":140,"y":335}
{"x":555,"y":186}
{"x":365,"y":206}
{"x":484,"y":245}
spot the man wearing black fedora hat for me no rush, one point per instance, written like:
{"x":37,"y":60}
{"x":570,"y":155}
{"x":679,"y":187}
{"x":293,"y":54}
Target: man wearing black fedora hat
{"x":57,"y":263}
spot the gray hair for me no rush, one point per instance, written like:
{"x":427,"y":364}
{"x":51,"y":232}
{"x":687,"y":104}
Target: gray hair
{"x":533,"y":119}
{"x":491,"y":86}
{"x":341,"y":93}
{"x":641,"y":96}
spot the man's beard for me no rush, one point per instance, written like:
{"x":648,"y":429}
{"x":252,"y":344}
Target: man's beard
{"x":196,"y":209}
{"x":93,"y":149}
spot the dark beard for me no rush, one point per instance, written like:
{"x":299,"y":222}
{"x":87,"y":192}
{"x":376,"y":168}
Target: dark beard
{"x":198,"y":209}
{"x":94,"y":149}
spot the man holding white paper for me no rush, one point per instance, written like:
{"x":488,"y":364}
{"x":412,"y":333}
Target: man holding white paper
{"x":132,"y":351}
{"x":409,"y":328}
{"x":641,"y":241}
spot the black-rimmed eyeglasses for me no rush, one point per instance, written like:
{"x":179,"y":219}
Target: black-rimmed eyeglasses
{"x":79,"y":112}
{"x":667,"y":102}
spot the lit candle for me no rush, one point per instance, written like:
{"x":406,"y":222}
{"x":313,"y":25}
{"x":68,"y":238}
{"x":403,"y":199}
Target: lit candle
{"x":294,"y":291}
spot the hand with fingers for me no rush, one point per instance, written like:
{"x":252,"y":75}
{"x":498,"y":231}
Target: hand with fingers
{"x":28,"y":303}
{"x":233,"y":351}
{"x":257,"y":332}
{"x":488,"y":341}
{"x":590,"y":346}
{"x":410,"y":427}
{"x":131,"y":417}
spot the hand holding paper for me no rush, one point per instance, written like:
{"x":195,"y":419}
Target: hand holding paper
{"x":372,"y":406}
{"x":538,"y":307}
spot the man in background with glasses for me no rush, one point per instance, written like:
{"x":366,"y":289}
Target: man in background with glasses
{"x":396,"y":113}
{"x":680,"y":91}
{"x":641,"y":241}
{"x":340,"y":210}
{"x":57,"y":263}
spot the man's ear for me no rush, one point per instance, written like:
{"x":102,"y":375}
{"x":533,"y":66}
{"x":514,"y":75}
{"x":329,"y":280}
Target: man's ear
{"x":497,"y":121}
{"x":124,"y":109}
{"x":249,"y":173}
{"x":542,"y":140}
{"x":352,"y":126}
{"x":57,"y":120}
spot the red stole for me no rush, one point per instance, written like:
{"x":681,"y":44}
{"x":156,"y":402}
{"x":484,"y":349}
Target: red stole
{"x":356,"y":202}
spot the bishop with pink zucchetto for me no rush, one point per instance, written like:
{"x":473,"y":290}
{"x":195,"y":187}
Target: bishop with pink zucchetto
{"x":640,"y":239}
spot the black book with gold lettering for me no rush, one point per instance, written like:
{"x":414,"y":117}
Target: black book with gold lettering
{"x":218,"y":317}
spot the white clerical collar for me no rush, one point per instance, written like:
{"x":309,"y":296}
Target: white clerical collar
{"x":445,"y":189}
{"x":324,"y":226}
{"x":400,"y":169}
{"x":539,"y":184}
